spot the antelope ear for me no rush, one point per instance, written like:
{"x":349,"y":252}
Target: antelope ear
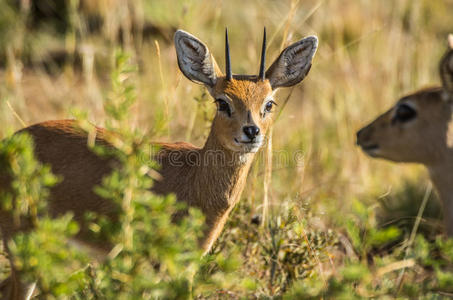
{"x":446,"y":66}
{"x":194,"y":59}
{"x":293,"y":63}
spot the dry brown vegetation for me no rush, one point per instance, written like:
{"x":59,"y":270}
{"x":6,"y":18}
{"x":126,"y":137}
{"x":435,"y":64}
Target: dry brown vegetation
{"x":370,"y":53}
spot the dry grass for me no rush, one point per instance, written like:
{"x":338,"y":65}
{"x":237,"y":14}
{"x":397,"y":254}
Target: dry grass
{"x":370,"y":53}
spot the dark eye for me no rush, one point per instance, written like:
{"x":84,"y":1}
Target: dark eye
{"x":269,"y":105}
{"x":222,"y":105}
{"x":405,"y":113}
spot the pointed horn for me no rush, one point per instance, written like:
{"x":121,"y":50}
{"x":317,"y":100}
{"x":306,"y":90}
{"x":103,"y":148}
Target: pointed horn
{"x":229,"y":74}
{"x":262,"y":75}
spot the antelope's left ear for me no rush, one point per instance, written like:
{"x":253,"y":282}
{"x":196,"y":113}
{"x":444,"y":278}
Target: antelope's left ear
{"x":194,"y":59}
{"x":446,"y":66}
{"x":293,"y":64}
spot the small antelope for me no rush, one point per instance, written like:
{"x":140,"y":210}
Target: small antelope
{"x":419,"y":129}
{"x":215,"y":181}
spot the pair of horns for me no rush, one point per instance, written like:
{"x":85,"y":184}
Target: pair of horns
{"x":229,"y":73}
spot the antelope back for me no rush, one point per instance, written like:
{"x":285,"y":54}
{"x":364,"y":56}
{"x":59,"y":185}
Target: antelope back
{"x":419,"y":127}
{"x":245,"y":102}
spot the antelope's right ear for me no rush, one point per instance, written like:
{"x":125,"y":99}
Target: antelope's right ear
{"x":293,"y":64}
{"x":194,"y":59}
{"x":446,"y":66}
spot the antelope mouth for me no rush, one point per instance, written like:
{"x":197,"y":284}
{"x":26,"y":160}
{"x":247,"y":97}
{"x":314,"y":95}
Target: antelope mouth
{"x":371,"y":149}
{"x":250,"y":145}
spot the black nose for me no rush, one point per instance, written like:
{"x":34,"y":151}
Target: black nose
{"x":364,"y":135}
{"x":251,"y":131}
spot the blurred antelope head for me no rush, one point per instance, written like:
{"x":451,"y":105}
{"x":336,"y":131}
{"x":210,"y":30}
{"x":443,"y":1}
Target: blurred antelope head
{"x":419,"y":127}
{"x":244,"y":102}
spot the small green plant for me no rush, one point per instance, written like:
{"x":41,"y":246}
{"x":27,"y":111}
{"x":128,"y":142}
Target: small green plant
{"x":275,"y":256}
{"x":370,"y":53}
{"x":145,"y":262}
{"x":152,"y":256}
{"x":380,"y":272}
{"x":39,"y":255}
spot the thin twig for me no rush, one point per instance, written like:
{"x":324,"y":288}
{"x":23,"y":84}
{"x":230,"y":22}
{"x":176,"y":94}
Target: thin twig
{"x":267,"y":176}
{"x":16,"y":114}
{"x":428,"y":191}
{"x":161,"y":74}
{"x":268,"y":162}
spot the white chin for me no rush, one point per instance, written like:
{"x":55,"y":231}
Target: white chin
{"x":255,"y":149}
{"x":251,"y":148}
{"x":247,"y":147}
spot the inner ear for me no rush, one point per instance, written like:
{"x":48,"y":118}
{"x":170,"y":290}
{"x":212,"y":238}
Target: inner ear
{"x":194,"y":59}
{"x":293,"y":64}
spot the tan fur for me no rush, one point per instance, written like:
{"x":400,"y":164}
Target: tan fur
{"x":426,"y":138}
{"x":212,"y":183}
{"x":210,"y":178}
{"x":215,"y":183}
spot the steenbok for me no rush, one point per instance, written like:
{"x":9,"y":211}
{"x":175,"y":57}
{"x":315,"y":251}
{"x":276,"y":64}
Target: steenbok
{"x":215,"y":182}
{"x":419,"y":129}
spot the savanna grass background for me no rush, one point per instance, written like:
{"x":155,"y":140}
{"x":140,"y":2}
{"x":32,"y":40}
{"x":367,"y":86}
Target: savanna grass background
{"x":340,"y":224}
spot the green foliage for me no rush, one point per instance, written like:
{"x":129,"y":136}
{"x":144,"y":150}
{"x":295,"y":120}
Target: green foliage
{"x":401,"y":207}
{"x":363,"y":231}
{"x":145,"y":261}
{"x":370,"y":54}
{"x":30,"y":179}
{"x":152,"y":256}
{"x":44,"y":256}
{"x":381,"y":274}
{"x":285,"y":251}
{"x":40,"y":255}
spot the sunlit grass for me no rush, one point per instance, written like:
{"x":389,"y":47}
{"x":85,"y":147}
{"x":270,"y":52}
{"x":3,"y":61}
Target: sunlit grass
{"x":370,"y":53}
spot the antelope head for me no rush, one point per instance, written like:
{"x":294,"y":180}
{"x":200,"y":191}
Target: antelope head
{"x":419,"y":127}
{"x":245,"y":103}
